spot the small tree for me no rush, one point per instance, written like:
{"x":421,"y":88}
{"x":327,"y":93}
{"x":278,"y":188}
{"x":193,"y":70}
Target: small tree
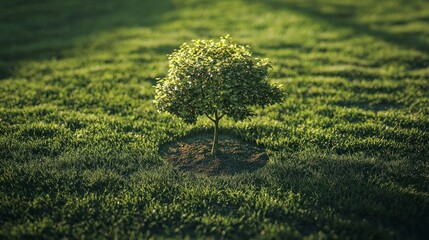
{"x":215,"y":79}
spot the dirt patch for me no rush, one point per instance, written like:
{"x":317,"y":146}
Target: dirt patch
{"x":234,"y":155}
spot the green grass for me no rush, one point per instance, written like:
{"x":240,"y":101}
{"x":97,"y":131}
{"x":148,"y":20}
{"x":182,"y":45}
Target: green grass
{"x":79,"y":135}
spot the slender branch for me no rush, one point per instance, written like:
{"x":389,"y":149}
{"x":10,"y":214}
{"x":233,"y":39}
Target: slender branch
{"x":210,"y":117}
{"x":217,"y":119}
{"x":221,"y":116}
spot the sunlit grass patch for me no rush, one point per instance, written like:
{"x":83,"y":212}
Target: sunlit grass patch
{"x":80,"y":136}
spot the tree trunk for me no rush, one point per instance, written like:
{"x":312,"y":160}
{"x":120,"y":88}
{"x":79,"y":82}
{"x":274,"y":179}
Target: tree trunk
{"x":216,"y":135}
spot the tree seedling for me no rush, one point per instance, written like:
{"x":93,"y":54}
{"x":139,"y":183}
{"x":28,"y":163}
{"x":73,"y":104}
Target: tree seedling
{"x":215,"y":79}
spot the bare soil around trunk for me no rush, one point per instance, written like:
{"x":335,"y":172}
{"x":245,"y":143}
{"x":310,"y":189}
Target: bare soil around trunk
{"x":234,"y":155}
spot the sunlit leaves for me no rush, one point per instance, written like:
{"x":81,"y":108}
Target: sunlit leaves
{"x":206,"y":76}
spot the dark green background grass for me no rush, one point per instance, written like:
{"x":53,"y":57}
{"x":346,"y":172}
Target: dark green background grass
{"x":79,"y":135}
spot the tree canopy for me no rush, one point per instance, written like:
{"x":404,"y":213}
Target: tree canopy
{"x":215,"y":78}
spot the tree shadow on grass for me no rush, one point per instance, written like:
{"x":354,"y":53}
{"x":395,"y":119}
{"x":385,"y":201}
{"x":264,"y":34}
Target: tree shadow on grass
{"x":341,"y":15}
{"x":356,"y":192}
{"x":45,"y":30}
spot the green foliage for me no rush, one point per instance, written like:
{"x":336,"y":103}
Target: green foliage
{"x":79,"y":133}
{"x":214,"y":78}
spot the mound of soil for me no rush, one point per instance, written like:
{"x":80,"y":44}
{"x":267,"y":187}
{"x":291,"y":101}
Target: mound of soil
{"x":234,"y":155}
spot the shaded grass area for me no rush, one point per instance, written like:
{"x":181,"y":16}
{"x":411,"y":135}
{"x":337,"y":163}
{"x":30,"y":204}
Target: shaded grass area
{"x":80,"y":138}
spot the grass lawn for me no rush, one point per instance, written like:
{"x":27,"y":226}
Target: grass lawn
{"x":80,"y":137}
